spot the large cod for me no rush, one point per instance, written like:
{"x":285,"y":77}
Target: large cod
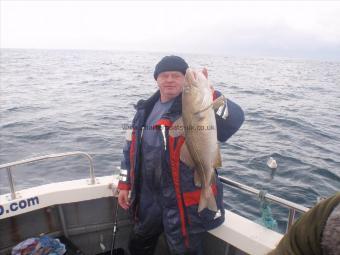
{"x":198,"y":125}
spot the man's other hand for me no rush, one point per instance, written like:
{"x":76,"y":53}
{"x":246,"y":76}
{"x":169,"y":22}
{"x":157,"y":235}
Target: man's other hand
{"x":123,"y":199}
{"x":205,"y":73}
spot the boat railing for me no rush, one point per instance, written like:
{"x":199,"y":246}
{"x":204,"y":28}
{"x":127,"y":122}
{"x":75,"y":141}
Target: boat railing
{"x":9,"y":166}
{"x":293,"y":207}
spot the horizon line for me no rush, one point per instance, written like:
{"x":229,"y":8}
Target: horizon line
{"x":251,"y":56}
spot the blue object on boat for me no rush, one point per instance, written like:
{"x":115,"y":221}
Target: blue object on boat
{"x":43,"y":245}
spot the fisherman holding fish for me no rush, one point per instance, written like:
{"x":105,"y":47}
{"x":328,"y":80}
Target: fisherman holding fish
{"x":168,"y":175}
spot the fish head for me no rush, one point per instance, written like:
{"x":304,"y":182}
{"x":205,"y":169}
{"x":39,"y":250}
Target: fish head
{"x":191,"y":90}
{"x":195,"y":80}
{"x":190,"y":79}
{"x":196,"y":93}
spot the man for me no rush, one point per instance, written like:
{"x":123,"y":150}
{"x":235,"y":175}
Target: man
{"x":163,"y":194}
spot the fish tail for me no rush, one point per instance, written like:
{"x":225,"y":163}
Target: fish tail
{"x":207,"y":200}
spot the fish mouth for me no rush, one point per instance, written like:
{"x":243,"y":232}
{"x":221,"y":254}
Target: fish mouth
{"x":190,"y":78}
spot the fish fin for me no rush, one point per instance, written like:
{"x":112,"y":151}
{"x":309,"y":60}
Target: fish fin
{"x":177,"y":129}
{"x":218,"y":102}
{"x":185,"y":156}
{"x":206,"y":100}
{"x":199,"y":115}
{"x":213,"y":179}
{"x":204,"y":109}
{"x":207,"y":200}
{"x":197,"y":180}
{"x":218,"y":160}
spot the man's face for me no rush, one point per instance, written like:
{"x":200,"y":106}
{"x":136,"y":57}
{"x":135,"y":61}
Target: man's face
{"x":170,"y":84}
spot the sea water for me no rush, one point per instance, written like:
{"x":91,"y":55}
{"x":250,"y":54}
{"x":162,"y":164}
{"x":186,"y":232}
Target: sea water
{"x":55,"y":101}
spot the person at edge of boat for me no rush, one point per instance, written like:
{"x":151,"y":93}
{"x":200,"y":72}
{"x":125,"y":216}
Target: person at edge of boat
{"x":163,"y":197}
{"x":316,"y":232}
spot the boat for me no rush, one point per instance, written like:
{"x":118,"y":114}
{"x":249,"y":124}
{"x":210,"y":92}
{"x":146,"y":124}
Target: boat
{"x":81,"y":213}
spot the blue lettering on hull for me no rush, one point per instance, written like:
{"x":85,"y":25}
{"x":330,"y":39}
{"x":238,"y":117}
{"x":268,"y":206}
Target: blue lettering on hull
{"x":19,"y":205}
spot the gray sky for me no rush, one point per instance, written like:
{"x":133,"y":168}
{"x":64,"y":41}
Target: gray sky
{"x":301,"y":29}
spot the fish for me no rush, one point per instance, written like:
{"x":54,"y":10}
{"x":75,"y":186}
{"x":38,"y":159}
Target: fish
{"x":197,"y":124}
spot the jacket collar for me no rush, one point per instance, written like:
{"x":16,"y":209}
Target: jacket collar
{"x":150,"y":102}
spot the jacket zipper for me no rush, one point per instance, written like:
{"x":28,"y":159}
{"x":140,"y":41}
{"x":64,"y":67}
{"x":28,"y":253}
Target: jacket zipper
{"x":164,"y":135}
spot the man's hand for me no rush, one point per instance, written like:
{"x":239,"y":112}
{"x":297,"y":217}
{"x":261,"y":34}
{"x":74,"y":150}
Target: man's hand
{"x":123,"y":199}
{"x":205,"y":72}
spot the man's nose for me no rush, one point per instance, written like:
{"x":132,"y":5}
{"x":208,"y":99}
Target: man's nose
{"x":169,"y":78}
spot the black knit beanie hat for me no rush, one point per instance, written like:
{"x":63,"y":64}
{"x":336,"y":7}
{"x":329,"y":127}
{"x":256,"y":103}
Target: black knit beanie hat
{"x":170,"y":63}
